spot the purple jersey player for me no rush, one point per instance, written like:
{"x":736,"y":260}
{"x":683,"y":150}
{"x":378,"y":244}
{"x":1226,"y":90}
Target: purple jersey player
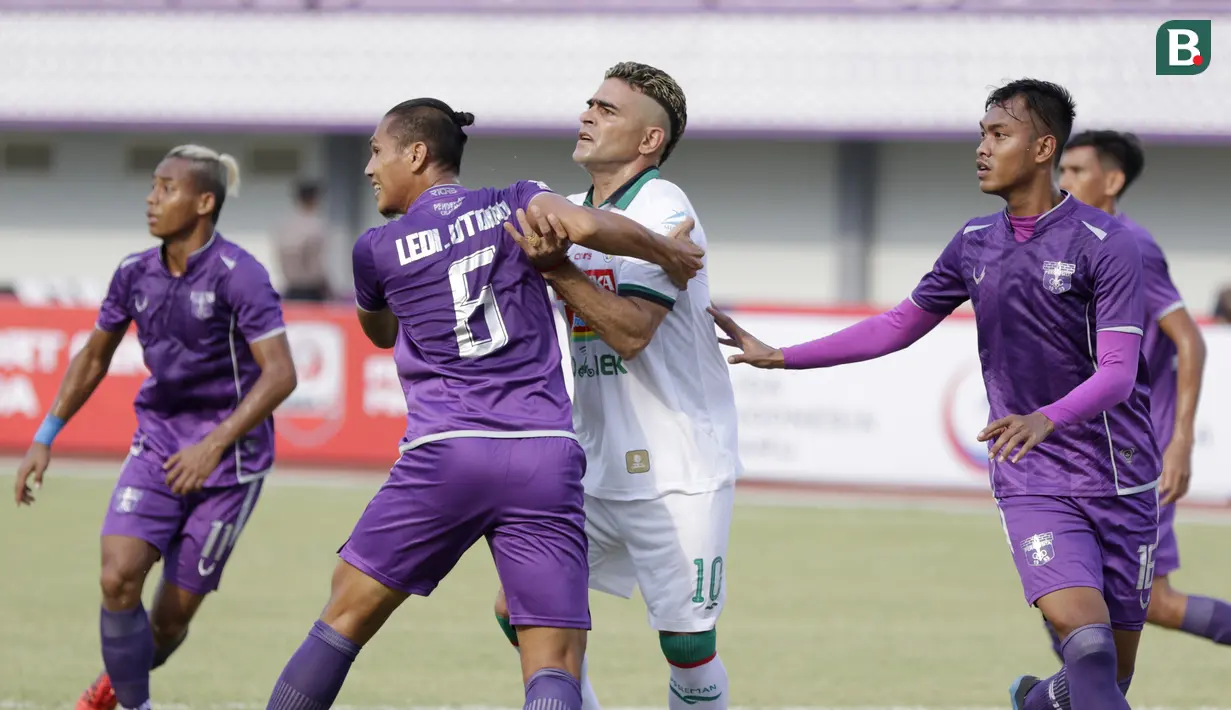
{"x":211,"y":328}
{"x":489,"y":450}
{"x":1097,"y":168}
{"x":1056,"y":289}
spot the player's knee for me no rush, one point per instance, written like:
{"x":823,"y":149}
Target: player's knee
{"x":1091,"y":646}
{"x":688,"y":650}
{"x":167,"y":630}
{"x":1167,"y":606}
{"x":121,"y":587}
{"x":359,"y":605}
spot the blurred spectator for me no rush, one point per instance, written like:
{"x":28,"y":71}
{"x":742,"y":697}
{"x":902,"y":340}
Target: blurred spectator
{"x":302,"y":245}
{"x":1222,"y":307}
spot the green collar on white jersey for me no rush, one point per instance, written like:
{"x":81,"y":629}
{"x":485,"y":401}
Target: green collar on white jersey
{"x":624,"y":196}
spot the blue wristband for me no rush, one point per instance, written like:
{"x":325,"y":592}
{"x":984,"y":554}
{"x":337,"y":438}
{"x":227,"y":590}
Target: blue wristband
{"x":49,"y":429}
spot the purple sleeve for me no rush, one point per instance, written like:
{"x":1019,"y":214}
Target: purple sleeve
{"x":369,"y":292}
{"x":1111,"y":383}
{"x":521,"y":192}
{"x":257,"y":306}
{"x":868,"y":339}
{"x":113,"y":315}
{"x":1160,"y":294}
{"x":943,"y":289}
{"x":1118,"y":283}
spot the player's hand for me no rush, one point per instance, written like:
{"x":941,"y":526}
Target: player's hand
{"x":189,"y":467}
{"x":683,"y":258}
{"x":1177,"y":469}
{"x":1016,"y":430}
{"x":30,"y":473}
{"x":754,"y":352}
{"x":543,"y":237}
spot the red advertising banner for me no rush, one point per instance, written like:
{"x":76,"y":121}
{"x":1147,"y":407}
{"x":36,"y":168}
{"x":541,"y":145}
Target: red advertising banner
{"x":348,"y":409}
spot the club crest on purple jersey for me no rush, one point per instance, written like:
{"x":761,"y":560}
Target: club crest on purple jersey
{"x":202,"y":304}
{"x":1038,"y":549}
{"x":1058,"y":276}
{"x":126,"y":499}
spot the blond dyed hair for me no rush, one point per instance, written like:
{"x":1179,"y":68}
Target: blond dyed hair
{"x":658,"y":85}
{"x":216,"y":173}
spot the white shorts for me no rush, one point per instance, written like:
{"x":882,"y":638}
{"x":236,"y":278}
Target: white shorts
{"x":674,"y":548}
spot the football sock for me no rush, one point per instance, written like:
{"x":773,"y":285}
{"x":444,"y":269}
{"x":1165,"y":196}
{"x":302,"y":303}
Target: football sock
{"x":553,"y":689}
{"x":314,"y":675}
{"x":1088,"y":678}
{"x":1210,"y":618}
{"x":697,"y":674}
{"x":128,"y":653}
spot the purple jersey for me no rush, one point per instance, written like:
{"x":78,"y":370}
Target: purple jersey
{"x":1161,"y":299}
{"x":1037,"y":307}
{"x":196,"y":331}
{"x":477,"y":352}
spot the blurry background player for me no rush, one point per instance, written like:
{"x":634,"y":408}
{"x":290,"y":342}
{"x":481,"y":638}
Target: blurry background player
{"x":1097,"y":168}
{"x":211,"y":328}
{"x":1056,"y":286}
{"x":489,"y":449}
{"x":652,"y":397}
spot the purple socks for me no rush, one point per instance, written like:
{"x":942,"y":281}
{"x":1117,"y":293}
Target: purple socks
{"x":128,"y":654}
{"x":1088,"y":678}
{"x":553,"y":689}
{"x":1210,"y":618}
{"x":314,"y":675}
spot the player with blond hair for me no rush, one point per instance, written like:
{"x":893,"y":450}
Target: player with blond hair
{"x":214,"y":341}
{"x":653,"y":403}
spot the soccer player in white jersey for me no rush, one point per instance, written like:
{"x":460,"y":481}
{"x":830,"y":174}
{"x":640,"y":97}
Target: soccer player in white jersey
{"x":652,"y":402}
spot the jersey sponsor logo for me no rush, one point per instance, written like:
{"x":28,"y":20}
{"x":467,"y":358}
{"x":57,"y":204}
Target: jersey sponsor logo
{"x":605,"y":365}
{"x":444,"y":209}
{"x":1058,"y":276}
{"x":605,"y":279}
{"x":978,"y":277}
{"x":637,"y":461}
{"x":442,"y":191}
{"x":202,"y":304}
{"x":140,"y":303}
{"x":1038,"y":548}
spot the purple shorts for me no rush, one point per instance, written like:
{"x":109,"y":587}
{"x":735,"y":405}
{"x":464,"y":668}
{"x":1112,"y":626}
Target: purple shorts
{"x":1104,"y":543}
{"x":523,"y":495}
{"x":194,"y":533}
{"x":1167,"y":555}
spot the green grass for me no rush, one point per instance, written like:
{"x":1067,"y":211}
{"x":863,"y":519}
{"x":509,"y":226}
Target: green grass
{"x":826,"y":607}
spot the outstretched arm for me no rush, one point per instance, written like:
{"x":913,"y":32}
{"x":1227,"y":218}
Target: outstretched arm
{"x":868,"y":339}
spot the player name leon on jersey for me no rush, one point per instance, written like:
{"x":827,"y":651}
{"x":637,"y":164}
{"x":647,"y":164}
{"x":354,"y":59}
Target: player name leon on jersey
{"x":420,"y":245}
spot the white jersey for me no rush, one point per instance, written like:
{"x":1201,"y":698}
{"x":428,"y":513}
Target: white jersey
{"x":665,"y":421}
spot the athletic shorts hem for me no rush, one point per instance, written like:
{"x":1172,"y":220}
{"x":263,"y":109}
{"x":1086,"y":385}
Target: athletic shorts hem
{"x":354,"y":560}
{"x":1057,"y":587}
{"x":548,"y":622}
{"x":198,"y":589}
{"x":1161,"y":571}
{"x":683,"y":626}
{"x":1135,"y":626}
{"x":162,"y":551}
